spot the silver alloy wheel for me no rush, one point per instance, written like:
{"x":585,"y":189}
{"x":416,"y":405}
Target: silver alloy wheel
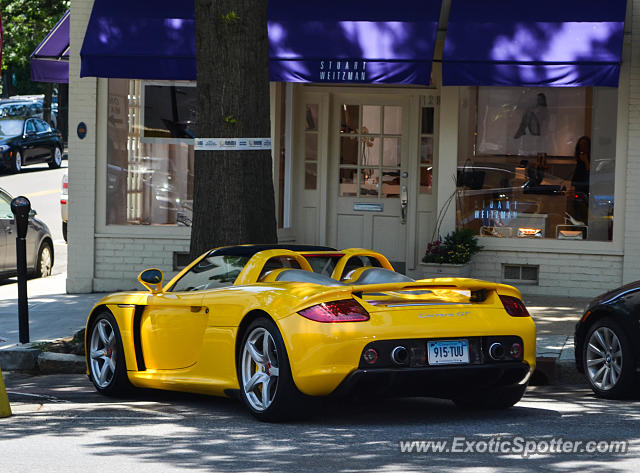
{"x":604,"y":358}
{"x":45,"y":262}
{"x":18,"y":161}
{"x":57,"y":157}
{"x":260,"y":369}
{"x":103,"y":353}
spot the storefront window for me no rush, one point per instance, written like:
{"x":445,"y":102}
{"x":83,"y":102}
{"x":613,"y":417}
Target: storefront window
{"x":311,"y":147}
{"x":426,"y":150}
{"x":537,"y":162}
{"x":150,"y":153}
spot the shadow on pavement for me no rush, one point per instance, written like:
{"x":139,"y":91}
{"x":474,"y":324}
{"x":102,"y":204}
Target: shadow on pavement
{"x":191,"y":432}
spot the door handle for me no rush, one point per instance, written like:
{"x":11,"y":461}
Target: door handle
{"x":198,"y":308}
{"x":404,"y":202}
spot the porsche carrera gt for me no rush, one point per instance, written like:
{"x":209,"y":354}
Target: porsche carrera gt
{"x":282,"y":325}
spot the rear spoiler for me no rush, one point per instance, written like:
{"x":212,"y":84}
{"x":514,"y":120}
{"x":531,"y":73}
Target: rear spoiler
{"x":480,"y":290}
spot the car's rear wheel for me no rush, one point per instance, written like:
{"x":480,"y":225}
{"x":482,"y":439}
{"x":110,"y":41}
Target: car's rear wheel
{"x":264,"y":374}
{"x":44,"y":265}
{"x":608,"y":360}
{"x":64,"y":231}
{"x":56,"y":158}
{"x":496,"y":398}
{"x":16,"y":163}
{"x":107,"y":369}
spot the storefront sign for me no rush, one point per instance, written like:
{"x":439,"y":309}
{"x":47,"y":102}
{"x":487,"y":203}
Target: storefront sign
{"x":498,"y":211}
{"x":232,"y":144}
{"x":342,"y":71}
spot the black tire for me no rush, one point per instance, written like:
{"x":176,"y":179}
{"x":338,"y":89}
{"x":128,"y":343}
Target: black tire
{"x":287,"y":402}
{"x":496,"y":398}
{"x":56,"y":158}
{"x":17,"y":162}
{"x":64,"y":231}
{"x":116,"y":382}
{"x":623,"y":382}
{"x":44,"y":269}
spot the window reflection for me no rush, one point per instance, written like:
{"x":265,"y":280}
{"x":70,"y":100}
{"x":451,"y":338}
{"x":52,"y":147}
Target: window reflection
{"x":537,"y":162}
{"x":369,"y":150}
{"x":149,"y":167}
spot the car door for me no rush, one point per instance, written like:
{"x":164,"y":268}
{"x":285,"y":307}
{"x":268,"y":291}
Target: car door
{"x":29,"y":141}
{"x":172,"y":328}
{"x":42,"y":144}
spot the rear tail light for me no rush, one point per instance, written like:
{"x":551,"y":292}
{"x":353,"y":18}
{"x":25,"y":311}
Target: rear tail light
{"x":65,"y":184}
{"x":514,"y":306}
{"x":347,"y":310}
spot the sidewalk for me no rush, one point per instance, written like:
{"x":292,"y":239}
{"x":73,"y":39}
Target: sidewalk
{"x":52,"y":313}
{"x":55,"y":314}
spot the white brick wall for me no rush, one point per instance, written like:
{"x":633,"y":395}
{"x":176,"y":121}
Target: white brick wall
{"x":560,"y":274}
{"x":120,"y":260}
{"x":82,"y":108}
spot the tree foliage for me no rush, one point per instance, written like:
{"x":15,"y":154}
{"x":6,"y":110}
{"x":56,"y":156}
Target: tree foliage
{"x":26,"y":23}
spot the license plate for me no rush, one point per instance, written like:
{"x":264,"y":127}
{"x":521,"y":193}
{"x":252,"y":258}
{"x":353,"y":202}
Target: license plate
{"x":448,"y":352}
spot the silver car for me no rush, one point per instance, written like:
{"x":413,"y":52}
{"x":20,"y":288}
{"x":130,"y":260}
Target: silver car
{"x":39,"y":243}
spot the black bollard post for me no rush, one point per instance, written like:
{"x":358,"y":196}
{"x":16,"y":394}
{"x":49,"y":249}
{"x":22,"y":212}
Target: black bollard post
{"x":20,"y":206}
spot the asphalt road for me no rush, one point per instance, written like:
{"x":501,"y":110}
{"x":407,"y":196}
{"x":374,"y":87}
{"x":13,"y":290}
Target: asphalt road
{"x":61,"y":425}
{"x":42,"y":186}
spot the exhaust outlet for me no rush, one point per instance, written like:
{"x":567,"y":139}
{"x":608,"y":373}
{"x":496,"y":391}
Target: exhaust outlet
{"x":496,"y":351}
{"x":400,"y":355}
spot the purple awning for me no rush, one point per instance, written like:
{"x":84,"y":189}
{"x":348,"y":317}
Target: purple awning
{"x":546,"y":43}
{"x":357,"y":41}
{"x":140,"y":40}
{"x":329,"y":41}
{"x":50,"y":60}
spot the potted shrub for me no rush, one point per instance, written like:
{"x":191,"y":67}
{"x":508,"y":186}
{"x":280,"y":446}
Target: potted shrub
{"x":451,"y":256}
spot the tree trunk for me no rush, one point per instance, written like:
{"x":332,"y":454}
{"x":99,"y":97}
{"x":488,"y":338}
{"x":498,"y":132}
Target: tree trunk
{"x":46,"y":103}
{"x":62,"y":121}
{"x":233,"y":190}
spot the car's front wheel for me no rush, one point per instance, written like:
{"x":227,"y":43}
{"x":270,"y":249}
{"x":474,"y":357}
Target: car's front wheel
{"x":107,"y":369}
{"x":496,"y":398}
{"x":608,"y":360}
{"x":56,"y":158}
{"x":264,"y":374}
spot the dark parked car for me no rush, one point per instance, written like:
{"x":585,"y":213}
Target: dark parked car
{"x":29,"y":141}
{"x":606,"y":343}
{"x":39,"y":243}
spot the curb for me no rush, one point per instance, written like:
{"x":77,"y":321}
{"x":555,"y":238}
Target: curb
{"x":34,"y":360}
{"x":559,"y":369}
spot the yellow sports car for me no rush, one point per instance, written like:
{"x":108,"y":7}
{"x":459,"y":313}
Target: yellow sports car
{"x":282,"y":325}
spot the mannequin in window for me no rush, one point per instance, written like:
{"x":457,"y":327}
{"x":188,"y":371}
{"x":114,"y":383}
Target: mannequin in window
{"x":580,"y":181}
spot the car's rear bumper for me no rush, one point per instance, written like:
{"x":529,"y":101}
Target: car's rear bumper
{"x":436,"y":381}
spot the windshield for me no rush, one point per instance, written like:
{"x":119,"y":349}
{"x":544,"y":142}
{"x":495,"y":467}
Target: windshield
{"x":10,"y":127}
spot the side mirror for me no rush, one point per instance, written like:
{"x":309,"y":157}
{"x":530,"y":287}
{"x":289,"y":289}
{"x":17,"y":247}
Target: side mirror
{"x":32,"y":213}
{"x":151,"y":279}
